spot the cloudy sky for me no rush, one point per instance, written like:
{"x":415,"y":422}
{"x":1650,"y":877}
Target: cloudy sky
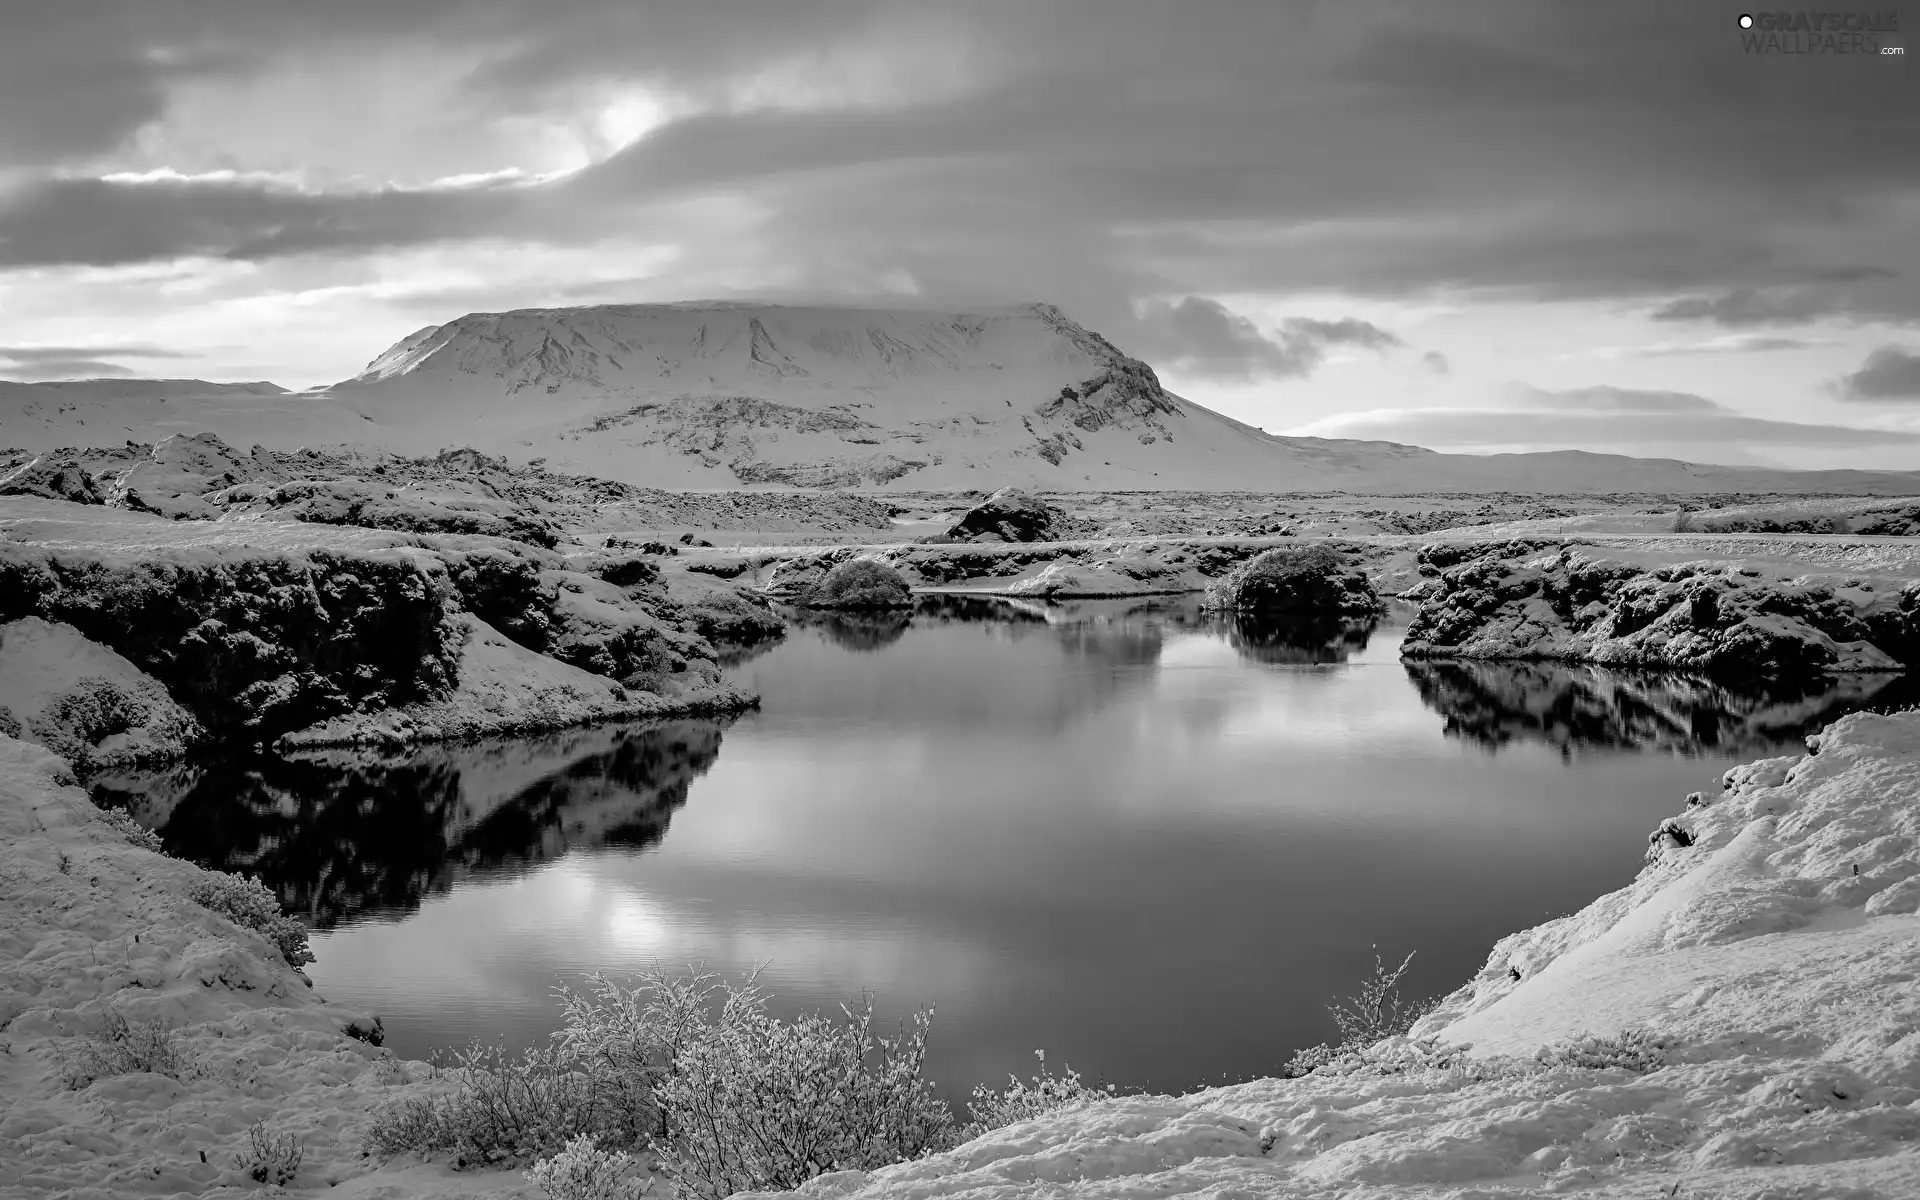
{"x":1478,"y":226}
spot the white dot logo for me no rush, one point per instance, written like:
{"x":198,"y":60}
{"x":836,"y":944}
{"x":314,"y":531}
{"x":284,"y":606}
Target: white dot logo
{"x":1746,"y":22}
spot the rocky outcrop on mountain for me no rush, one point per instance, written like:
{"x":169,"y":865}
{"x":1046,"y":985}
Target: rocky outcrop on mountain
{"x":1533,"y":600}
{"x":1305,"y":579}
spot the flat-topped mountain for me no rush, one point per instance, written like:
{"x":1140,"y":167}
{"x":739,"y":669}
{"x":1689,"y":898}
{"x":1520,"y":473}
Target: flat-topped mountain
{"x":729,"y":395}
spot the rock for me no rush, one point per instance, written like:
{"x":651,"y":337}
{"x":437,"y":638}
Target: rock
{"x":1514,"y":601}
{"x":858,"y":583}
{"x":1011,"y":515}
{"x":56,"y":475}
{"x":373,"y":505}
{"x":626,"y":572}
{"x":1307,"y":579}
{"x":177,"y":475}
{"x":725,"y":568}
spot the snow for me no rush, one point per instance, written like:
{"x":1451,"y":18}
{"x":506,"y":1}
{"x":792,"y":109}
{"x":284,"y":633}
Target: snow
{"x":90,"y":924}
{"x":81,"y":699}
{"x":724,"y":395}
{"x":1780,"y":980}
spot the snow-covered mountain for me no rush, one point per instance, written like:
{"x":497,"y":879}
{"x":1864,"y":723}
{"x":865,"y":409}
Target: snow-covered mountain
{"x":725,"y":395}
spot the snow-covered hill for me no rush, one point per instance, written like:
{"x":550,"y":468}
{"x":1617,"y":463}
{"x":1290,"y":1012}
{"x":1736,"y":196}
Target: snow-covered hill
{"x":725,"y":395}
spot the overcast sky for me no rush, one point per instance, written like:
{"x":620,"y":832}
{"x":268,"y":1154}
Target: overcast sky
{"x":1478,"y":226}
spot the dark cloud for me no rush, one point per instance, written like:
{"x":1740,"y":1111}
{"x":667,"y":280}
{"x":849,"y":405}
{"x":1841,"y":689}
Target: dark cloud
{"x":101,"y":222}
{"x":1204,"y":338}
{"x":1206,"y":148}
{"x":39,"y":354}
{"x":1890,"y":373}
{"x":62,"y":368}
{"x":74,"y":362}
{"x":1756,"y":306}
{"x":1436,"y":362}
{"x":1604,"y":418}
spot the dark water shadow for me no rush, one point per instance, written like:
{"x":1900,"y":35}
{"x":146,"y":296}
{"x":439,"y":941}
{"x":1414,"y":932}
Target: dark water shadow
{"x":1294,"y":641}
{"x":338,"y":833}
{"x":1578,"y":707}
{"x":861,"y":631}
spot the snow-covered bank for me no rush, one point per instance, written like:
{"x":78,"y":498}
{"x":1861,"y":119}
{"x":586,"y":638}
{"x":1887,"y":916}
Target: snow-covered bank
{"x":322,"y":634}
{"x":1526,"y":600}
{"x":93,"y":927}
{"x":1773,"y":957}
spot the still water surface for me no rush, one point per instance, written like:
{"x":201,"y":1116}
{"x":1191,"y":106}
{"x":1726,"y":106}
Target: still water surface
{"x":1150,"y":842}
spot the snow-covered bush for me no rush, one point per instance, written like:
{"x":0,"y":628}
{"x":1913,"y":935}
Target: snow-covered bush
{"x":695,"y":1070}
{"x":124,"y":1047}
{"x":753,"y":1103}
{"x":270,"y":1157}
{"x":500,"y":1109}
{"x":1376,"y":1012}
{"x":248,"y":902}
{"x":583,"y":1171}
{"x":131,"y":829}
{"x":1023,"y":1101}
{"x":1635,"y":1050}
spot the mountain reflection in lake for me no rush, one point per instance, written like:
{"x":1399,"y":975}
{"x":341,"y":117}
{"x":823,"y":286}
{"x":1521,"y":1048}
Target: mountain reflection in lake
{"x":1151,"y":840}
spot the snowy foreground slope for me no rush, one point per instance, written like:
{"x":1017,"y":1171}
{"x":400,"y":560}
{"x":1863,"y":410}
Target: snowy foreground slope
{"x":91,"y":925}
{"x":726,"y":395}
{"x":1774,"y":958}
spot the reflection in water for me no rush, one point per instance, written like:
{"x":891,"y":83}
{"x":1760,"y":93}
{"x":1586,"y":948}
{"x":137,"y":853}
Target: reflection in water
{"x":857,"y":630}
{"x":1070,"y":825}
{"x":1291,"y":641}
{"x":1575,"y":706}
{"x":339,"y":832}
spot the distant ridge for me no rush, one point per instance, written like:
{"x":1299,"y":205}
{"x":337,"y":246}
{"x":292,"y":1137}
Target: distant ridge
{"x":729,"y":394}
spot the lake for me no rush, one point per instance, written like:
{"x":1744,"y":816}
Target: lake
{"x":1151,"y":842}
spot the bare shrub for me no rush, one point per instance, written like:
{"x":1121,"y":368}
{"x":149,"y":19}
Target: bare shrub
{"x":501,"y":1109}
{"x":1635,"y":1050}
{"x":131,"y":829}
{"x":124,"y":1047}
{"x":583,"y":1171}
{"x":249,"y":903}
{"x":1377,"y":1011}
{"x":695,"y":1070}
{"x":269,"y":1157}
{"x":1021,"y":1100}
{"x":1683,"y":520}
{"x":754,"y":1103}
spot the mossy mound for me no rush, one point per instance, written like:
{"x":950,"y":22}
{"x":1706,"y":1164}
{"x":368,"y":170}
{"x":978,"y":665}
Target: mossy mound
{"x":1305,"y":579}
{"x":858,"y":583}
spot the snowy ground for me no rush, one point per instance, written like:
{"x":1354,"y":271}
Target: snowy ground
{"x":91,"y":925}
